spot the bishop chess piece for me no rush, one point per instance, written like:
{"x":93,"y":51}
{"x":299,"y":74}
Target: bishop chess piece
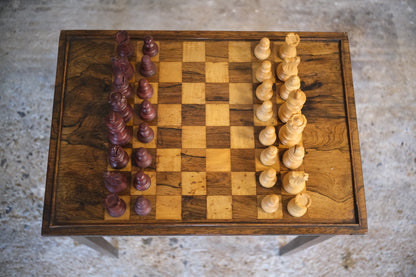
{"x":293,"y":157}
{"x":268,"y":178}
{"x":117,"y":131}
{"x":288,"y":49}
{"x":150,"y":48}
{"x":122,"y":66}
{"x":142,"y":206}
{"x":147,"y":112}
{"x":144,"y":89}
{"x":145,"y":134}
{"x":117,"y":157}
{"x":262,"y":50}
{"x":147,"y":67}
{"x":270,"y":203}
{"x":115,"y":181}
{"x":267,"y":136}
{"x":142,"y":158}
{"x":264,"y":91}
{"x":298,"y":206}
{"x":268,"y":156}
{"x":265,"y":111}
{"x":115,"y":206}
{"x":287,"y":68}
{"x":291,"y":133}
{"x":293,"y":105}
{"x":122,"y":85}
{"x":264,"y":72}
{"x":294,"y":182}
{"x":291,"y":84}
{"x":124,"y":46}
{"x":119,"y":104}
{"x":141,"y":181}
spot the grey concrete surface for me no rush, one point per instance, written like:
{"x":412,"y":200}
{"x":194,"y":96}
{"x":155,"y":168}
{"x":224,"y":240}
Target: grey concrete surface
{"x":382,"y":41}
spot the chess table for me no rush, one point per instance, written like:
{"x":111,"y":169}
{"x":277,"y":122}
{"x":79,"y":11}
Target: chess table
{"x":206,"y":150}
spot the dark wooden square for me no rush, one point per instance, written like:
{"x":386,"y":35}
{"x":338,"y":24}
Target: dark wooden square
{"x":243,"y":160}
{"x":170,"y":93}
{"x":244,"y":207}
{"x":218,"y":136}
{"x":240,"y":72}
{"x":152,"y":79}
{"x":170,"y":51}
{"x":137,"y":119}
{"x":169,"y":137}
{"x":193,"y":115}
{"x":216,"y":51}
{"x":218,"y":183}
{"x":193,"y":160}
{"x":135,"y":217}
{"x":194,"y":207}
{"x":193,"y":72}
{"x":168,"y":183}
{"x":152,"y":152}
{"x":241,"y":115}
{"x":217,"y":93}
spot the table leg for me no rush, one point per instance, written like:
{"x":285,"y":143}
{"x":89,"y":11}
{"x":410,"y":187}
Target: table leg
{"x":302,"y":242}
{"x":99,"y":244}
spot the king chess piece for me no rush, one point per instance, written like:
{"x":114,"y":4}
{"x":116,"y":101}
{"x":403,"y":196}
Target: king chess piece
{"x":122,"y":85}
{"x":142,"y":206}
{"x":147,"y":112}
{"x":115,"y":206}
{"x":144,"y":89}
{"x":119,"y":104}
{"x":121,"y":65}
{"x":147,"y":67}
{"x":142,"y":158}
{"x":150,"y":48}
{"x":124,"y":46}
{"x":115,"y":181}
{"x":141,"y":181}
{"x":118,"y":133}
{"x":117,"y":157}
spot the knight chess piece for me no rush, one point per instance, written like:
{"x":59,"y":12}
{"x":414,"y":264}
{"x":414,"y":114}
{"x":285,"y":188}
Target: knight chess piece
{"x":293,"y":105}
{"x":269,"y":155}
{"x":264,"y":71}
{"x":265,"y":111}
{"x":122,"y":85}
{"x":150,"y":48}
{"x":293,"y":157}
{"x":144,"y":89}
{"x":142,"y":206}
{"x":291,"y":84}
{"x":294,"y":182}
{"x":141,"y":181}
{"x":298,"y":206}
{"x":268,"y":178}
{"x":124,"y":46}
{"x":142,"y":158}
{"x":119,"y":104}
{"x":114,"y":205}
{"x":115,"y":181}
{"x":267,"y":136}
{"x":147,"y":111}
{"x":117,"y":157}
{"x":262,"y":50}
{"x":287,"y":68}
{"x":145,"y":134}
{"x":270,"y":203}
{"x":288,"y":49}
{"x":147,"y":67}
{"x":122,"y":66}
{"x":291,"y":133}
{"x":264,"y":91}
{"x":117,"y":131}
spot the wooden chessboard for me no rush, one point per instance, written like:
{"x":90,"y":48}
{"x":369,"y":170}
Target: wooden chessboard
{"x":206,"y":149}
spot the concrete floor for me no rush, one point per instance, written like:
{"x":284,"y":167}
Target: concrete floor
{"x":382,"y":41}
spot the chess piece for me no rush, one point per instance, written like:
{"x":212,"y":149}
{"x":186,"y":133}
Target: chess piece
{"x":267,"y":136}
{"x":144,"y":89}
{"x":288,"y":49}
{"x":115,"y":181}
{"x":293,"y":157}
{"x":122,"y":85}
{"x":262,"y":50}
{"x":265,"y":111}
{"x":124,"y":47}
{"x":142,"y":206}
{"x":299,"y":205}
{"x":293,"y":105}
{"x":122,"y":66}
{"x":294,"y":182}
{"x":270,"y":203}
{"x":264,"y":71}
{"x":291,"y":133}
{"x":141,"y":181}
{"x":265,"y":90}
{"x":150,"y":48}
{"x":115,"y":206}
{"x":147,"y":111}
{"x":145,"y":134}
{"x":117,"y":131}
{"x":291,"y":84}
{"x":119,"y":104}
{"x":142,"y":158}
{"x":268,"y":178}
{"x":268,"y":156}
{"x":287,"y":68}
{"x":117,"y":157}
{"x":147,"y":67}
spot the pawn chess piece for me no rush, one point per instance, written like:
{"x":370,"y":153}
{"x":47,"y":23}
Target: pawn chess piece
{"x":147,"y":67}
{"x":122,"y":85}
{"x":262,"y":50}
{"x":115,"y":181}
{"x":117,"y":157}
{"x":268,"y":178}
{"x":293,"y":157}
{"x":142,"y":206}
{"x":119,"y":104}
{"x":291,"y":133}
{"x":268,"y":156}
{"x":141,"y":181}
{"x":291,"y":84}
{"x":144,"y":89}
{"x":265,"y":111}
{"x":142,"y":158}
{"x":150,"y":48}
{"x":124,"y":47}
{"x":294,"y":182}
{"x":122,"y":66}
{"x":267,"y":136}
{"x":145,"y":134}
{"x":287,"y":68}
{"x":117,"y":131}
{"x":265,"y":90}
{"x":114,"y":205}
{"x":264,"y":72}
{"x":299,"y":205}
{"x":293,"y":105}
{"x":288,"y":49}
{"x":147,"y":111}
{"x":270,"y":203}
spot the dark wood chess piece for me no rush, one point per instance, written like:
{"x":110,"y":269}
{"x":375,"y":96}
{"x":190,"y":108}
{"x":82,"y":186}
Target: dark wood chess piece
{"x":117,"y":131}
{"x":147,"y":111}
{"x":115,"y":181}
{"x":142,"y":158}
{"x":141,"y":181}
{"x":124,"y":47}
{"x":122,"y":85}
{"x":142,"y":206}
{"x":144,"y":89}
{"x":115,"y":206}
{"x":121,"y":65}
{"x":119,"y":104}
{"x":145,"y":134}
{"x":150,"y":48}
{"x":117,"y":157}
{"x":147,"y":67}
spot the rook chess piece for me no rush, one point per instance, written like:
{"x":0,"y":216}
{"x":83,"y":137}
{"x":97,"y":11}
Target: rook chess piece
{"x":150,"y":48}
{"x":122,"y":85}
{"x":115,"y":205}
{"x":141,"y":181}
{"x":115,"y":181}
{"x":117,"y":157}
{"x":293,"y":157}
{"x":265,"y":111}
{"x":267,"y":136}
{"x":268,"y":178}
{"x":147,"y":111}
{"x":299,"y":205}
{"x":147,"y":67}
{"x":293,"y":105}
{"x":270,"y":203}
{"x":287,"y":68}
{"x":288,"y":49}
{"x":291,"y":84}
{"x":119,"y":104}
{"x":145,"y":134}
{"x":124,"y":47}
{"x":268,"y":156}
{"x":144,"y":89}
{"x":142,"y":158}
{"x":294,"y":182}
{"x":265,"y":90}
{"x":262,"y":50}
{"x":142,"y":206}
{"x":117,"y":131}
{"x":291,"y":133}
{"x":264,"y":72}
{"x":121,"y":65}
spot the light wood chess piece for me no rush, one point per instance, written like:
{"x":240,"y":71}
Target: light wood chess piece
{"x":293,"y":105}
{"x":299,"y":205}
{"x":265,"y":111}
{"x":268,"y":156}
{"x":267,"y":136}
{"x":264,"y":71}
{"x":291,"y":133}
{"x":293,"y":157}
{"x":287,"y":68}
{"x":265,"y":90}
{"x":268,"y":178}
{"x":294,"y":182}
{"x":262,"y":50}
{"x":270,"y":203}
{"x":291,"y":84}
{"x":288,"y":49}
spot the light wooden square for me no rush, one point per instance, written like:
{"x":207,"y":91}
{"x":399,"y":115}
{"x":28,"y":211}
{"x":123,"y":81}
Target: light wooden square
{"x":168,"y":207}
{"x":263,"y":215}
{"x":193,"y":93}
{"x":125,"y":216}
{"x":242,"y":137}
{"x":152,"y":99}
{"x":128,"y":166}
{"x":272,"y":121}
{"x":169,"y":115}
{"x":243,"y":183}
{"x":139,"y":51}
{"x":151,"y":190}
{"x":170,"y":72}
{"x":239,"y":51}
{"x":218,"y":160}
{"x":261,"y":167}
{"x":138,"y":144}
{"x":217,"y":115}
{"x":193,"y":137}
{"x":216,"y":72}
{"x":168,"y":159}
{"x":241,"y":93}
{"x":194,"y":51}
{"x":194,"y":183}
{"x":219,"y":207}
